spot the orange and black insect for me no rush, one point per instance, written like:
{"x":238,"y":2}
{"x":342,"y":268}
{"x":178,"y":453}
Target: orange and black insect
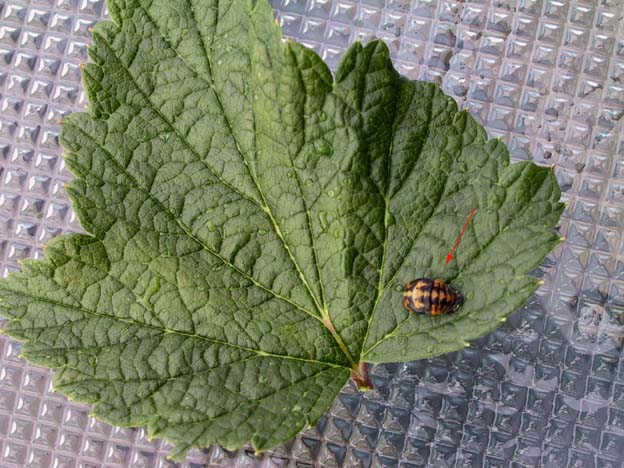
{"x":431,"y":296}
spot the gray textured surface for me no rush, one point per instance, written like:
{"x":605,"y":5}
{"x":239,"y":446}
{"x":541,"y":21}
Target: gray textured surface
{"x":546,"y":389}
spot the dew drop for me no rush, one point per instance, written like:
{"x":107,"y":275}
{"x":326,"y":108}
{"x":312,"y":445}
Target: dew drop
{"x":219,"y":62}
{"x":309,"y":182}
{"x":262,"y":379}
{"x":429,"y":348}
{"x":398,"y":288}
{"x":291,"y":174}
{"x":262,"y":232}
{"x":336,"y":233}
{"x":323,"y":220}
{"x":322,"y":117}
{"x":391,"y":220}
{"x":331,"y":193}
{"x":323,"y":147}
{"x":403,"y":352}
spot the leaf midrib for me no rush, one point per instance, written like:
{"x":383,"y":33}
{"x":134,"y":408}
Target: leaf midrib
{"x":459,"y":274}
{"x":265,"y":205}
{"x":382,"y":286}
{"x":164,"y":380}
{"x":164,"y":330}
{"x":305,"y":204}
{"x":322,"y":307}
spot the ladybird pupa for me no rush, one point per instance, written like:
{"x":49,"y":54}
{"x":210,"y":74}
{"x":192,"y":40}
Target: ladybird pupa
{"x":431,"y":296}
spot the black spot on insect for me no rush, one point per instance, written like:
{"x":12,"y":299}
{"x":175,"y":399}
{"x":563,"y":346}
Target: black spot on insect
{"x":431,"y":296}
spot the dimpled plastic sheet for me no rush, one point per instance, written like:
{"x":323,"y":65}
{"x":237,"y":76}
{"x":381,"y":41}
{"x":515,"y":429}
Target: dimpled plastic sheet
{"x":545,"y":389}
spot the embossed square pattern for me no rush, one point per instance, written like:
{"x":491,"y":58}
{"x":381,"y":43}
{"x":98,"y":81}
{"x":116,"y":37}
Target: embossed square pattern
{"x":545,"y":389}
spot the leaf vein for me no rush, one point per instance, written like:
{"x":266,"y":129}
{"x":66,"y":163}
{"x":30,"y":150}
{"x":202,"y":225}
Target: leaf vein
{"x":188,"y":232}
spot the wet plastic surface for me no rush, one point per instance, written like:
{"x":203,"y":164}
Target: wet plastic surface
{"x":545,"y":389}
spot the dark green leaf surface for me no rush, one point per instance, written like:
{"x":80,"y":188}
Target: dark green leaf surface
{"x":252,"y":222}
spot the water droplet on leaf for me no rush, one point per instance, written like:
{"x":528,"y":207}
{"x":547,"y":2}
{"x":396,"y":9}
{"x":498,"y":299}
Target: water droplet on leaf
{"x":323,"y":220}
{"x":390,"y":220}
{"x":323,"y":147}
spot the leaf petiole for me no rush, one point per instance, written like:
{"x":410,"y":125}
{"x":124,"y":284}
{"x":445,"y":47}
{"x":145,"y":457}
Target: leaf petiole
{"x":361,"y":378}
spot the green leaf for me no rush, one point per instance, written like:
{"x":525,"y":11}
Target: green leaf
{"x":251,"y":223}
